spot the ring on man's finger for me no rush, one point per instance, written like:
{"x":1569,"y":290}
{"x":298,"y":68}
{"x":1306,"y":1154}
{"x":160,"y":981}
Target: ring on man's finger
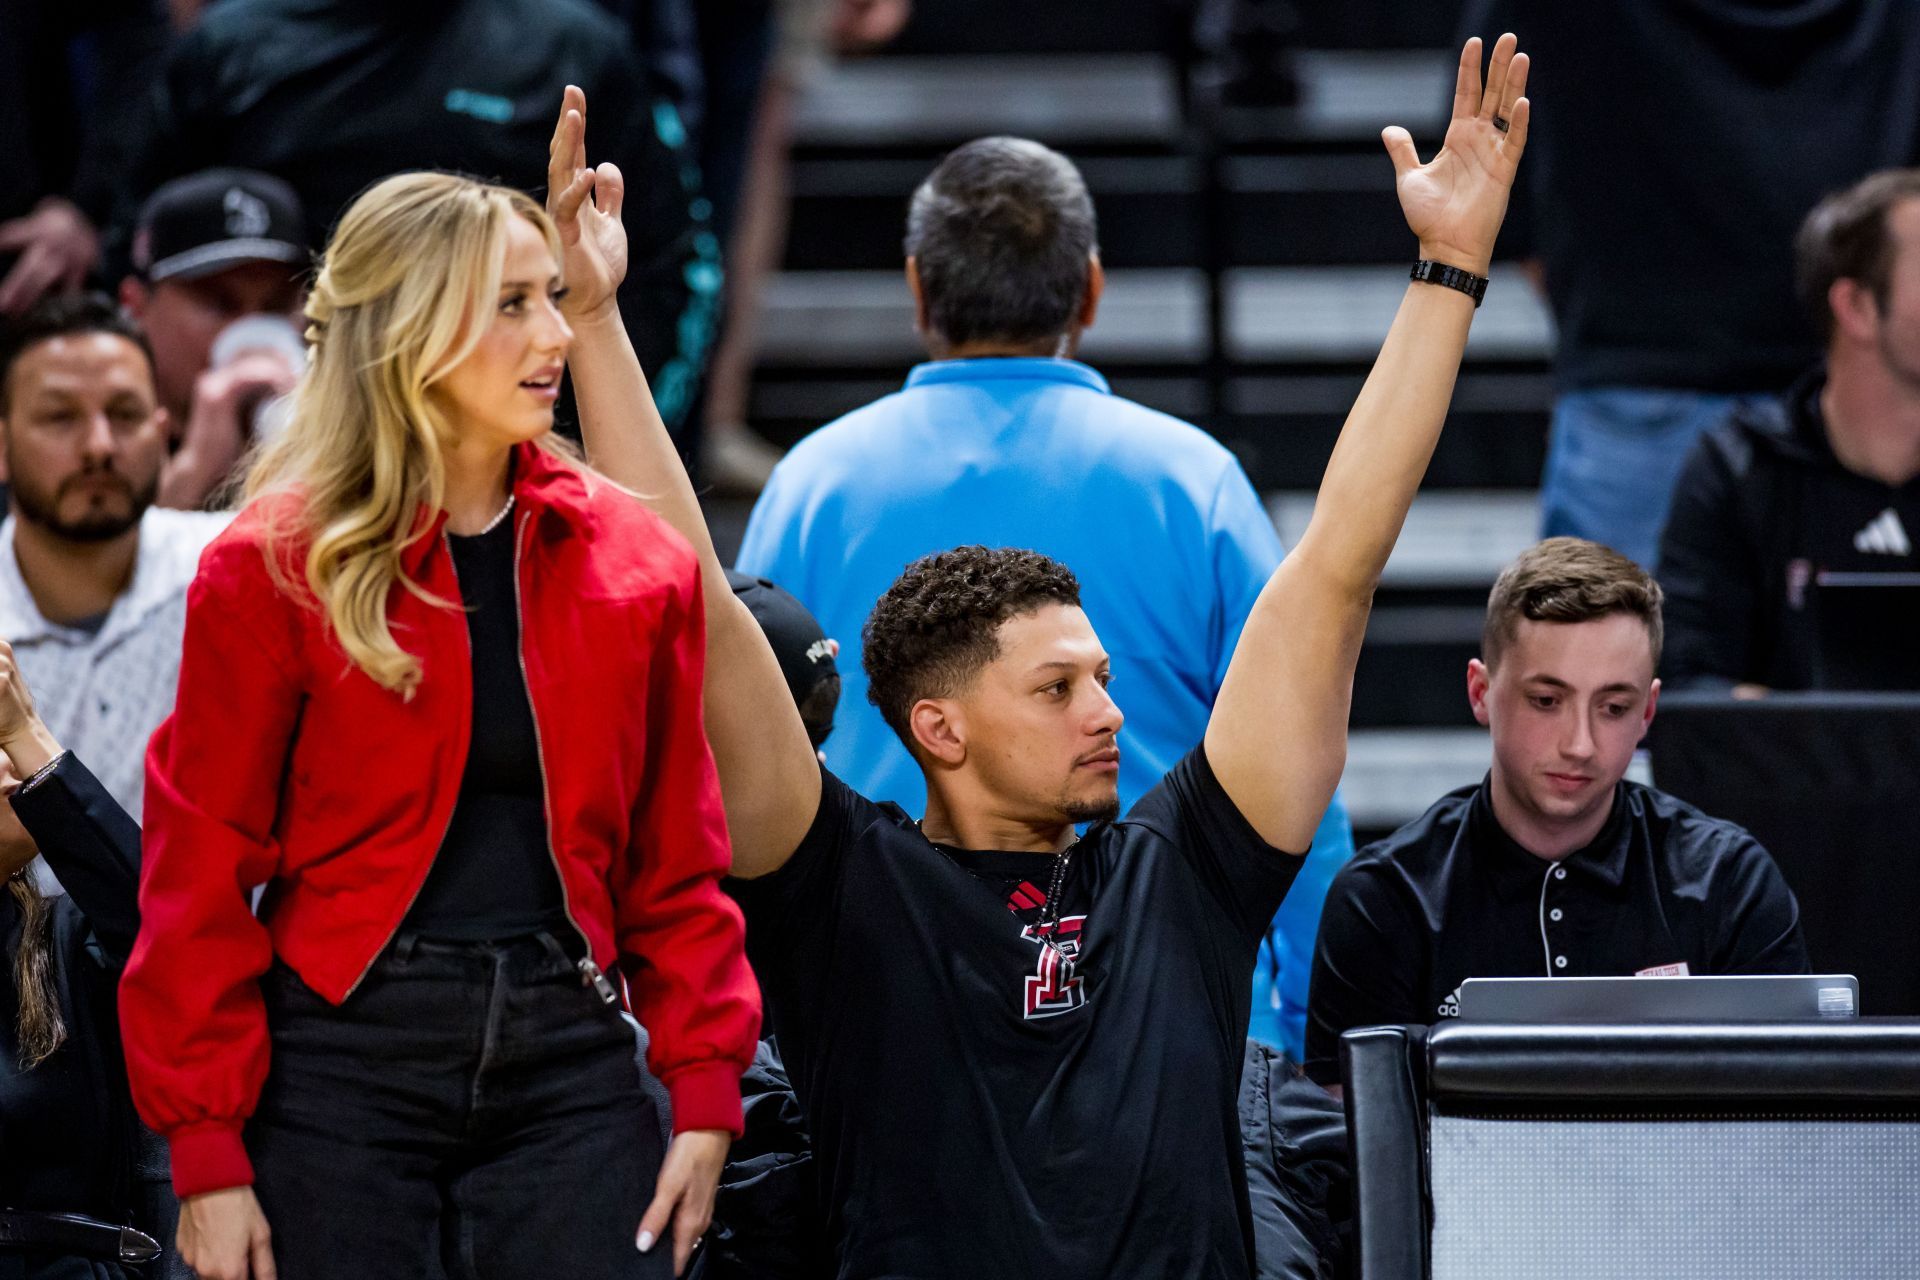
{"x":1500,"y":123}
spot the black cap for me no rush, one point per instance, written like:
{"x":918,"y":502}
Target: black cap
{"x":805,"y":656}
{"x":215,"y":219}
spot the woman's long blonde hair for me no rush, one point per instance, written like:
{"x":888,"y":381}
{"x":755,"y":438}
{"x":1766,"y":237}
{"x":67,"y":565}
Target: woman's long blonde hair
{"x":404,"y":293}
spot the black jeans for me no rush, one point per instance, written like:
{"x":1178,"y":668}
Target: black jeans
{"x":472,"y":1111}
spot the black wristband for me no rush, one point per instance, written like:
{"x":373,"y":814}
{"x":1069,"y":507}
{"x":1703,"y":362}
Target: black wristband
{"x":1427,"y":271}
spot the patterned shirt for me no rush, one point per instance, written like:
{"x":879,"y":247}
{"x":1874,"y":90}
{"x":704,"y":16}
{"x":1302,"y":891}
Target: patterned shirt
{"x":103,"y":692}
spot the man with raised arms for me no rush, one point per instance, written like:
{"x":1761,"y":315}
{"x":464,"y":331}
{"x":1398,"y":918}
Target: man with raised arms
{"x":1018,"y":1049}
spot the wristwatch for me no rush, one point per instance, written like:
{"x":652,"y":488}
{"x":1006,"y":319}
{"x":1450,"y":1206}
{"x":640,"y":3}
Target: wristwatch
{"x":1427,"y":271}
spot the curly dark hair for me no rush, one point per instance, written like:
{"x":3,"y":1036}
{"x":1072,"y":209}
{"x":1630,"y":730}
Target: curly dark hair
{"x":939,"y":622}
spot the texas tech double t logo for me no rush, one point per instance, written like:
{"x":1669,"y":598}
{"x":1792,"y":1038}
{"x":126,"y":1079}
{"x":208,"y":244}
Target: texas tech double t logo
{"x":1054,"y":988}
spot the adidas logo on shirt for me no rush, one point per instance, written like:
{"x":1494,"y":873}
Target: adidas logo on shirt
{"x":1884,"y":535}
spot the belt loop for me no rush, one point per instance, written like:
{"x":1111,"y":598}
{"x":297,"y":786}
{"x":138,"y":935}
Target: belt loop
{"x":554,"y":949}
{"x":405,"y":943}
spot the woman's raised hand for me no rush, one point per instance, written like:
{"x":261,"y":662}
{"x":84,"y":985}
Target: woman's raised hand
{"x":1456,"y":201}
{"x":585,"y":204}
{"x":23,"y":735}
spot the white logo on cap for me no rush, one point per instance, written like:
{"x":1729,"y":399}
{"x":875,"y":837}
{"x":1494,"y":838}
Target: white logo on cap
{"x":247,"y":215}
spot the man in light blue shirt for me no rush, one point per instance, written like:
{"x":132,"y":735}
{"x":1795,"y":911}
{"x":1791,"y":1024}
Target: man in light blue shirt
{"x":1003,"y":439}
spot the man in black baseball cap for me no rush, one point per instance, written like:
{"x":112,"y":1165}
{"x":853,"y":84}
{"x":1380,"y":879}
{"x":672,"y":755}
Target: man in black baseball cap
{"x":805,"y":653}
{"x":210,"y":249}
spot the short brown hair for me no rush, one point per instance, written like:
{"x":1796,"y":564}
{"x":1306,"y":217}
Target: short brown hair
{"x":1846,"y":238}
{"x":939,"y":622}
{"x":63,"y":315}
{"x":1568,"y":580}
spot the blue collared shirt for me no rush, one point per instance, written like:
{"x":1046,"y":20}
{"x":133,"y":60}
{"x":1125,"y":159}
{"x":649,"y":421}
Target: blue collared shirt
{"x":1155,"y":517}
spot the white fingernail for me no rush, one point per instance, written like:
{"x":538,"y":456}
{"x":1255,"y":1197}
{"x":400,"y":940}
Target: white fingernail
{"x":644,"y":1242}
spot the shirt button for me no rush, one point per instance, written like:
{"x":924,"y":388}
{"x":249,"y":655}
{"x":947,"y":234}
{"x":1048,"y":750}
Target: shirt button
{"x":1555,"y":914}
{"x":1559,"y":873}
{"x":1559,"y":962}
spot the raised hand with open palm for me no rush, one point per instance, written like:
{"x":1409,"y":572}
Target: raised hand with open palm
{"x":1455,"y":202}
{"x":584,"y":203}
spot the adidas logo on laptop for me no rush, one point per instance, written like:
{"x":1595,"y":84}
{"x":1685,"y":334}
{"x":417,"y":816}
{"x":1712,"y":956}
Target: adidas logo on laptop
{"x":1884,"y":535}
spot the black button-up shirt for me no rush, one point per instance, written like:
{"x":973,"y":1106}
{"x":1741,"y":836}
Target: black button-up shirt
{"x":1663,"y":888}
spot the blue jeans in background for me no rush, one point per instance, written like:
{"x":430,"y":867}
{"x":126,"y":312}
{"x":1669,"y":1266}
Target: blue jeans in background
{"x":1612,"y":458}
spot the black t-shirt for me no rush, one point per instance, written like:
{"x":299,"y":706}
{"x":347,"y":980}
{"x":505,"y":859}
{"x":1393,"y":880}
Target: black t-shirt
{"x":1762,"y":510}
{"x":494,"y":875}
{"x":983,"y":1104}
{"x":1450,"y":896}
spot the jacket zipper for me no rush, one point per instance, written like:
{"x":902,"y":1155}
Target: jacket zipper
{"x":591,"y":975}
{"x":414,"y":897}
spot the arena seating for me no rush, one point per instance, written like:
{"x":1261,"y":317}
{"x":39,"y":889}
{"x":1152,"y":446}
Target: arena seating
{"x":1307,"y":252}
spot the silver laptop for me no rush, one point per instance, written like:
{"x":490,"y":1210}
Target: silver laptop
{"x":1743,"y":998}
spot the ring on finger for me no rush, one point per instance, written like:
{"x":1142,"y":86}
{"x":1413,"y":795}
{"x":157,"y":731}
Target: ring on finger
{"x":1500,"y":123}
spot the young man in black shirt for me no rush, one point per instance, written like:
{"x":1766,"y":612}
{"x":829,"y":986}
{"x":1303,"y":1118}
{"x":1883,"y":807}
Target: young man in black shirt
{"x":1821,"y":482}
{"x":1554,"y":866}
{"x":1018,"y":1051}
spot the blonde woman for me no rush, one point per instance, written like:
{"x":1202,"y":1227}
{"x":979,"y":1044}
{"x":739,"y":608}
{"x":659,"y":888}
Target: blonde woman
{"x":440,"y":694}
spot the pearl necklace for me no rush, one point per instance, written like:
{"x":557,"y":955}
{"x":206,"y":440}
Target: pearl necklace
{"x":494,"y":523}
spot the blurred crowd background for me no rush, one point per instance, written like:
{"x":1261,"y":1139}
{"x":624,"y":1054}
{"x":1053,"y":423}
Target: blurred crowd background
{"x":1645,"y":288}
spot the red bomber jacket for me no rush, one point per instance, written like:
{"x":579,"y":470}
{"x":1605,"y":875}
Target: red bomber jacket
{"x":285,"y":765}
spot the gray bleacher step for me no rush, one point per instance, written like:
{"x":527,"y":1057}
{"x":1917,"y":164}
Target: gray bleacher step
{"x":1342,"y":313}
{"x":1274,"y":314}
{"x":865,"y":318}
{"x":1282,"y":210}
{"x":1452,"y":538}
{"x":1394,"y":775}
{"x":1346,"y":96}
{"x":1349,"y":95}
{"x":849,"y":212}
{"x":1413,"y":665}
{"x":1283,"y":427}
{"x":895,"y":101}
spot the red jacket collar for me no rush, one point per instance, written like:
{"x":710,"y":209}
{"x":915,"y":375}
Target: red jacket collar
{"x":555,"y":491}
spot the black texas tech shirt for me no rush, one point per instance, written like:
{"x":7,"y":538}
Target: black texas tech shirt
{"x":1450,"y":896}
{"x":981,"y":1106}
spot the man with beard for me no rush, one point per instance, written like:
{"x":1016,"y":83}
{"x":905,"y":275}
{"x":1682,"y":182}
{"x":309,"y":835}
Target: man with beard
{"x":93,"y":576}
{"x":1018,"y":1050}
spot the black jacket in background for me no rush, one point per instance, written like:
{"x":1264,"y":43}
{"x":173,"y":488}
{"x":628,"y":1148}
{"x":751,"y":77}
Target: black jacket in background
{"x":1762,"y":507}
{"x":74,"y":79}
{"x":1297,"y":1171}
{"x":333,"y":95}
{"x":1676,"y":146}
{"x":69,"y":1139}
